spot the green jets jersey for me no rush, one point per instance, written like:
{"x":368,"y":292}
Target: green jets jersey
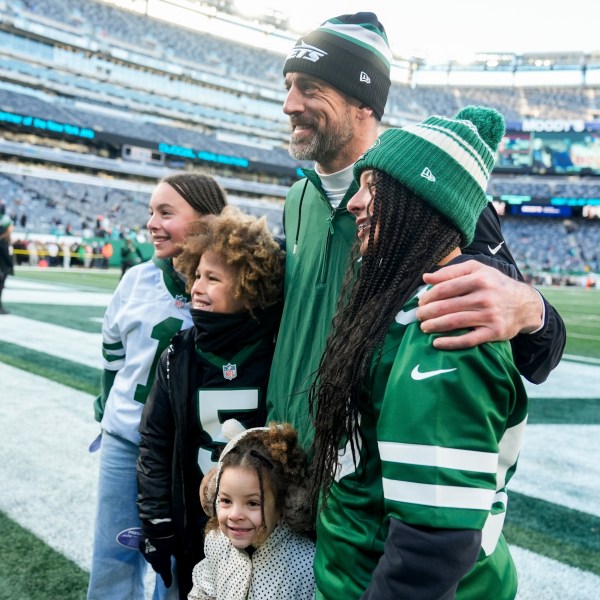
{"x":441,"y":434}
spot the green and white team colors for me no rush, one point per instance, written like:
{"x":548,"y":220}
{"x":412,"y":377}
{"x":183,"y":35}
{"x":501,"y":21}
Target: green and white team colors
{"x":441,"y":434}
{"x":149,"y":307}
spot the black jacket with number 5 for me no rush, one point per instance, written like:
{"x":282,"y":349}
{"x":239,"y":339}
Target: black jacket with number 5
{"x":215,"y":371}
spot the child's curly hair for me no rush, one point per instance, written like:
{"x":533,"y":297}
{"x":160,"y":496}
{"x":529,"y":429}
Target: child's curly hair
{"x":246,"y":244}
{"x":275,"y":453}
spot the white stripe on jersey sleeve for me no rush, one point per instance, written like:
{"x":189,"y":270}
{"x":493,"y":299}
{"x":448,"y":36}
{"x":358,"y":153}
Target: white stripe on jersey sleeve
{"x":441,"y":496}
{"x":438,"y":456}
{"x":510,"y":446}
{"x":490,"y":534}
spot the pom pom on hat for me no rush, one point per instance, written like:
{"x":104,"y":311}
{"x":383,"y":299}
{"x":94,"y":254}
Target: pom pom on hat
{"x":445,"y":161}
{"x":489,"y":123}
{"x":231,"y":428}
{"x":234,"y":431}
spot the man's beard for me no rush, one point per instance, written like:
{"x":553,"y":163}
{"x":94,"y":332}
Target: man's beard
{"x":325,"y":144}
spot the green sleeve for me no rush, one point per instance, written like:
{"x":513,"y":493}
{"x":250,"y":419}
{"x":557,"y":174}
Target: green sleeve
{"x":108,"y":378}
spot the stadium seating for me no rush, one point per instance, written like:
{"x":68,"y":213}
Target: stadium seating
{"x":192,"y":90}
{"x":553,"y":245}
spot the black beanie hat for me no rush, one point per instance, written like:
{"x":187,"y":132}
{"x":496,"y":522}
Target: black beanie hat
{"x":350,"y":52}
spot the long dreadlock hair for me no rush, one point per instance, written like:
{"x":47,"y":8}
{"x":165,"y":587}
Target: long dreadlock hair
{"x":411,"y":239}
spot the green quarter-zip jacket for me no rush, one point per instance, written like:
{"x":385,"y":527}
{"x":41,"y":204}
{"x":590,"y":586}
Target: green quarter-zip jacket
{"x":318,"y":238}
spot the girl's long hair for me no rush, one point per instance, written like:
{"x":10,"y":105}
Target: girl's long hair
{"x":412,"y":238}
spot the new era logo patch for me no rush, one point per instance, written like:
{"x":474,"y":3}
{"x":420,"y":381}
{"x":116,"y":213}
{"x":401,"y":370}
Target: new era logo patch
{"x":364,"y":78}
{"x":428,"y":174}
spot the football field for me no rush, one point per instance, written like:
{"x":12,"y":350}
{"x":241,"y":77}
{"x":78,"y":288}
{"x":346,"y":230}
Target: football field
{"x":50,"y":364}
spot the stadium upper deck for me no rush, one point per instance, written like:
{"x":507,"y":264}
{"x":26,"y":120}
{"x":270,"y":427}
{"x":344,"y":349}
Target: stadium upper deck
{"x":87,"y":86}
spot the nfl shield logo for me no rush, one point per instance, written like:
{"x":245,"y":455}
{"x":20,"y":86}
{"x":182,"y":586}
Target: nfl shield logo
{"x":230,"y":371}
{"x":179,"y":301}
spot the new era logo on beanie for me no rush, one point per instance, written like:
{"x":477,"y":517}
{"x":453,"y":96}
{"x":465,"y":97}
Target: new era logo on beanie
{"x":350,"y":52}
{"x":445,"y":161}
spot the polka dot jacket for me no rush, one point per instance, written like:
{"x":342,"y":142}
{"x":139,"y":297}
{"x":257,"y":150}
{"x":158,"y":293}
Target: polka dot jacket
{"x":281,"y":568}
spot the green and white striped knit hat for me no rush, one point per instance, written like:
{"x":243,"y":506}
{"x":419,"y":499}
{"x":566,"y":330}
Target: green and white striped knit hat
{"x":445,"y":161}
{"x":350,"y":52}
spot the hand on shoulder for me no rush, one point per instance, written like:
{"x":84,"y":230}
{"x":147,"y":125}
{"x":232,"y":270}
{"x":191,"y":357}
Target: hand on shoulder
{"x":474,"y":296}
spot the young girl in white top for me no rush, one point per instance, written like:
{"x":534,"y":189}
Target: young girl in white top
{"x":260,"y":510}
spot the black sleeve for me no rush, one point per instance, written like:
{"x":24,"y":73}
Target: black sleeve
{"x":6,"y":260}
{"x":154,"y":464}
{"x":424,"y":563}
{"x":538,"y":353}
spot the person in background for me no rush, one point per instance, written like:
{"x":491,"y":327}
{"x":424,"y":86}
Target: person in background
{"x":234,"y":272}
{"x":149,"y":306}
{"x":106,"y":252}
{"x":413,"y":445}
{"x":337,"y":79}
{"x":130,"y":256}
{"x":6,"y":259}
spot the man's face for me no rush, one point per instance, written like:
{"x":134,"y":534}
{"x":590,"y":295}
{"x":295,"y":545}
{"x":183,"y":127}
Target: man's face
{"x":320,"y":118}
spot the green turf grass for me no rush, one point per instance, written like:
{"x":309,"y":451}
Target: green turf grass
{"x":578,"y":308}
{"x":29,"y":569}
{"x":81,"y":318}
{"x":564,"y":411}
{"x":100,"y":280}
{"x":79,"y":377}
{"x":569,"y":536}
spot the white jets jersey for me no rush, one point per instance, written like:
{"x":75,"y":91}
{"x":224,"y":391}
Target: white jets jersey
{"x":148,"y":308}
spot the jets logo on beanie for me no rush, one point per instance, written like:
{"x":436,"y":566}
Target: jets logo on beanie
{"x":350,"y":52}
{"x":446,"y":161}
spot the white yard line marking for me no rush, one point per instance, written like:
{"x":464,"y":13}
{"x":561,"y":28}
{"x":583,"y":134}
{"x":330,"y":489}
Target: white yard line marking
{"x":71,"y":344}
{"x":49,"y":478}
{"x":568,"y":380}
{"x":22,"y":291}
{"x":541,"y":577}
{"x":559,"y":463}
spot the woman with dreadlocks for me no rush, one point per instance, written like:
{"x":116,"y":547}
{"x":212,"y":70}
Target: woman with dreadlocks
{"x":414,"y":446}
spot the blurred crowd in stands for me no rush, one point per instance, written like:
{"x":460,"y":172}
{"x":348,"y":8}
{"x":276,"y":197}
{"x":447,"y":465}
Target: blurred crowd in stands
{"x":153,"y":97}
{"x":144,"y":103}
{"x":549,"y":247}
{"x":62,"y":208}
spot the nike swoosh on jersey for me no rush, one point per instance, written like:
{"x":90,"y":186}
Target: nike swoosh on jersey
{"x":418,"y":375}
{"x":495,"y":250}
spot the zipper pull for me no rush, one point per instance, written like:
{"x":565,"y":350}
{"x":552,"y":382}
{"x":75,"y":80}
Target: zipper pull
{"x":329,"y":221}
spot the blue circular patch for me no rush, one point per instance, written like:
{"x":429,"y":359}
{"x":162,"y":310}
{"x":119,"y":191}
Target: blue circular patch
{"x":130,"y":538}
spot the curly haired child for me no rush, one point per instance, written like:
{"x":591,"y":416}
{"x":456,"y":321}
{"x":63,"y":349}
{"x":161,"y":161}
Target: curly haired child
{"x":234,"y":271}
{"x":255,"y":546}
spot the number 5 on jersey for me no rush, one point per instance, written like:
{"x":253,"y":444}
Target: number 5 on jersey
{"x":214,"y":408}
